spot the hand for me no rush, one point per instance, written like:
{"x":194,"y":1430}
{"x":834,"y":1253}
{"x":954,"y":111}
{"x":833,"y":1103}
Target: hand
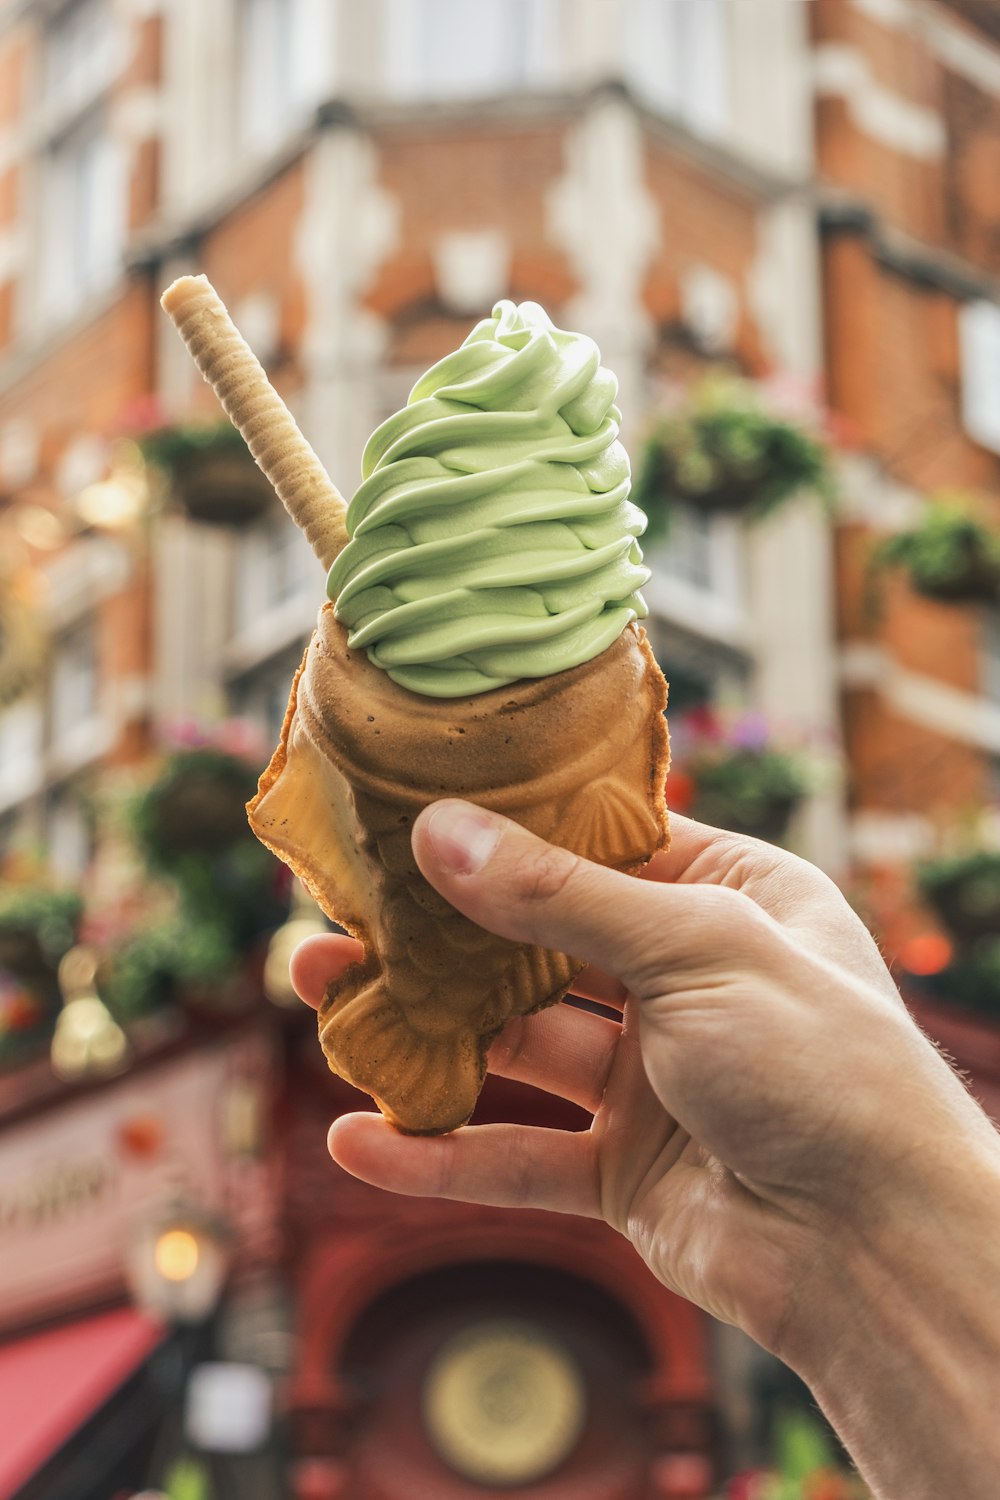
{"x":772,"y":1131}
{"x":764,"y":1068}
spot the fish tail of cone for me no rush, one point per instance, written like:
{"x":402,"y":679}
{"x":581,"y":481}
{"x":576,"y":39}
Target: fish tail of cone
{"x":251,"y":403}
{"x":423,"y":1084}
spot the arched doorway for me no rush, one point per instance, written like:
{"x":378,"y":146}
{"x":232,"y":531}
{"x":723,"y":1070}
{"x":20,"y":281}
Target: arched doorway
{"x":498,"y":1375}
{"x":478,"y":1353}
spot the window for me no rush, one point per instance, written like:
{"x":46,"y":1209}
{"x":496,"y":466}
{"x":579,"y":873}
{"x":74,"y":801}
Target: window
{"x":275,"y":564}
{"x":979,"y":335}
{"x":260,"y":697}
{"x":20,"y":752}
{"x":79,"y":57}
{"x":675,"y":57}
{"x":991,"y":656}
{"x":284,"y":56}
{"x":74,"y":691}
{"x":68,"y":835}
{"x":700,"y":551}
{"x":83,"y":170}
{"x":84,"y":229}
{"x":688,"y":551}
{"x":452,"y":49}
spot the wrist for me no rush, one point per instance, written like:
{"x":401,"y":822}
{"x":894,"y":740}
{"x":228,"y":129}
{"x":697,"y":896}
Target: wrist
{"x":896,"y":1324}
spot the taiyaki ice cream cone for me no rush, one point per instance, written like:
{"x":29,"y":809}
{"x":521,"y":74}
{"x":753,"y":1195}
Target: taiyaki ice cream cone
{"x":481,"y":642}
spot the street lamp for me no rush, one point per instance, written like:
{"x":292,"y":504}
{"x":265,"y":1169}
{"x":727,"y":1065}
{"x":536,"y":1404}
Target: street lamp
{"x":87,"y":1041}
{"x":177,"y":1263}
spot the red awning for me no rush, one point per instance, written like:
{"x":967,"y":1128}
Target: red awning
{"x":51,"y":1382}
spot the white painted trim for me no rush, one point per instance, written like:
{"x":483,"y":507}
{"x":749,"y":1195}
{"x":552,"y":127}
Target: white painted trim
{"x":883,"y":116}
{"x":892,"y":13}
{"x":11,"y":252}
{"x":709,"y":615}
{"x":273,"y":632}
{"x":890,"y":838}
{"x":959,"y":50}
{"x":80,"y":746}
{"x":81,"y":576}
{"x":922,"y":700}
{"x":137,"y":114}
{"x":868,"y":495}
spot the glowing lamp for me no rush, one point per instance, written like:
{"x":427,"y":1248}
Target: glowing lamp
{"x":88,"y":1042}
{"x":177,"y":1264}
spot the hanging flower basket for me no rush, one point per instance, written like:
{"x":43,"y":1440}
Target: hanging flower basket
{"x":22,"y":639}
{"x":726,"y":453}
{"x":965,"y":893}
{"x":735,"y":777}
{"x":196,"y":806}
{"x":191,"y":826}
{"x":952,"y":555}
{"x":210,"y":471}
{"x":37,"y":926}
{"x":971,"y":982}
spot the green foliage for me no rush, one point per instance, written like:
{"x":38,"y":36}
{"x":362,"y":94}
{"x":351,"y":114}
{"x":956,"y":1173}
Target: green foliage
{"x":724,"y":449}
{"x":746,"y":777}
{"x":950,"y":555}
{"x":180,"y":446}
{"x":188,"y":1479}
{"x":50,"y":916}
{"x":153,"y":963}
{"x":971,"y":981}
{"x":965,"y":891}
{"x":195,"y":806}
{"x":979,"y":870}
{"x":191,"y":826}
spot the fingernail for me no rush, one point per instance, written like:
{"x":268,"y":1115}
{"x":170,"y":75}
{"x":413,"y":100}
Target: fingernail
{"x":463,"y":836}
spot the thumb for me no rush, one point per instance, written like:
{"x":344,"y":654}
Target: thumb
{"x":515,"y":884}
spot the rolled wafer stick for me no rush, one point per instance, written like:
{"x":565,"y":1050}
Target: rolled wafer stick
{"x":252,"y":404}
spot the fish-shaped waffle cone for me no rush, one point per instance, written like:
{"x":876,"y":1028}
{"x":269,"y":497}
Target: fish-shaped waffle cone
{"x":580,"y":758}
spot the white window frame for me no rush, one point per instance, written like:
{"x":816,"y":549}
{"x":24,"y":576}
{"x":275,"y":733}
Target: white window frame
{"x":675,"y":55}
{"x":979,"y":341}
{"x":83,"y":208}
{"x":21,"y":741}
{"x":991,"y":656}
{"x":427,"y":54}
{"x":716,"y":610}
{"x":82,"y":732}
{"x":283,"y":72}
{"x":277,"y":590}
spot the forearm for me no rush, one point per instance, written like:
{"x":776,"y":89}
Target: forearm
{"x":907,"y":1364}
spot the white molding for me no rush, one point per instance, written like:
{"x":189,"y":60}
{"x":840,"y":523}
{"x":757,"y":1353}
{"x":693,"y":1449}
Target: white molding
{"x":908,"y":128}
{"x":609,"y":251}
{"x":867,"y":494}
{"x":81,"y":576}
{"x":81,"y":746}
{"x":899,"y":14}
{"x":890,"y":838}
{"x":862,"y":664}
{"x":711,"y":616}
{"x":272,"y":632}
{"x":137,"y":113}
{"x":12,"y":243}
{"x":471,"y":268}
{"x":960,"y":50}
{"x":923,"y":700}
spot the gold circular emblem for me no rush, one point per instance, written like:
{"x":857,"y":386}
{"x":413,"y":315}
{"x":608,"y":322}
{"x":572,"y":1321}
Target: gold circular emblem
{"x":504,"y":1403}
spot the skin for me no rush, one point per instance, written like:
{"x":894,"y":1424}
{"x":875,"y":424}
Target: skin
{"x":771,"y":1130}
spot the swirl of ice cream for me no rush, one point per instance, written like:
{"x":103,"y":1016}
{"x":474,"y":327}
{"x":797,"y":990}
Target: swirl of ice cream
{"x":492,"y":537}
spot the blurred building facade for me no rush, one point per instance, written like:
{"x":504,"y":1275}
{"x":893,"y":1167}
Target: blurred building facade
{"x":802,"y":192}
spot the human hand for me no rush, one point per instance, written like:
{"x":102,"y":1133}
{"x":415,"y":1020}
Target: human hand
{"x":764,"y":1099}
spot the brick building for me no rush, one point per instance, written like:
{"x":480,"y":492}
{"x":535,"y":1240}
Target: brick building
{"x":801,"y":190}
